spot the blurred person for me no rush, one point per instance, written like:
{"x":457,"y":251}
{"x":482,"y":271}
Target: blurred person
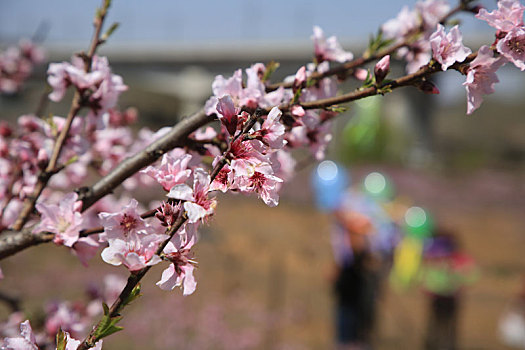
{"x":512,"y":323}
{"x":355,"y":279}
{"x":446,"y":271}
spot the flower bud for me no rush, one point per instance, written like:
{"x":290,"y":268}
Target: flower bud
{"x":5,"y":130}
{"x":42,"y":159}
{"x":360,"y":74}
{"x":382,"y":68}
{"x":300,"y":79}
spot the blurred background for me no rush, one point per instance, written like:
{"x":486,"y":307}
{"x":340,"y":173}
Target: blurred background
{"x":264,"y":276}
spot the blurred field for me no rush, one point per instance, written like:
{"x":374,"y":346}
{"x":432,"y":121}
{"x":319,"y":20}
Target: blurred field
{"x":263,"y":272}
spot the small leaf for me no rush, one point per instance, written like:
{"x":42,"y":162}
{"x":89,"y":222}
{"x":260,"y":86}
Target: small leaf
{"x":61,"y":340}
{"x":110,"y":31}
{"x":370,"y":80}
{"x":337,"y":109}
{"x":135,"y":294}
{"x":105,"y":307}
{"x":54,"y":128}
{"x":297,"y":95}
{"x":71,"y":160}
{"x":107,"y":326}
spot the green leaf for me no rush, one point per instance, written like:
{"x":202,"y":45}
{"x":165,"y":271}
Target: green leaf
{"x":107,"y":324}
{"x":110,"y":31}
{"x":105,"y":307}
{"x":297,"y":95}
{"x":135,"y":294}
{"x":369,"y":81}
{"x":71,"y":160}
{"x":54,"y":128}
{"x":271,"y":67}
{"x":61,"y":340}
{"x":377,"y":43}
{"x":310,"y":82}
{"x":337,"y":109}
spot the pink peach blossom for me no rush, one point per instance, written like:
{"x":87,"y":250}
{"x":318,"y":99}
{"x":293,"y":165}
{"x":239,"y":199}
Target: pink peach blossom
{"x":329,"y":49}
{"x":481,"y":77}
{"x":197,"y":203}
{"x":223,"y":180}
{"x":121,"y":224}
{"x":432,"y":11}
{"x":228,"y":114}
{"x":512,"y":47}
{"x":63,"y":219}
{"x":136,"y":251}
{"x":172,"y":171}
{"x":272,"y":130}
{"x":448,"y":48}
{"x":265,"y":185}
{"x":508,"y":16}
{"x":180,"y":272}
{"x":397,"y":28}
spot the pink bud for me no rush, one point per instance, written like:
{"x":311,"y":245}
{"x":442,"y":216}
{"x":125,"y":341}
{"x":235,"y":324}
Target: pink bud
{"x":360,"y":74}
{"x":42,"y":158}
{"x":131,"y":115}
{"x":300,"y":79}
{"x":382,"y":68}
{"x":5,"y":130}
{"x":297,"y":111}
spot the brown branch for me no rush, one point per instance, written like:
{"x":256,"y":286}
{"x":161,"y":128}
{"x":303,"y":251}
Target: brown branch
{"x":76,"y":106}
{"x":407,"y":80}
{"x":346,"y":68}
{"x":13,"y":242}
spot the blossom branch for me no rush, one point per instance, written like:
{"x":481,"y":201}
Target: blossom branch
{"x":347,"y":68}
{"x":407,"y":80}
{"x":15,"y":241}
{"x":76,"y":106}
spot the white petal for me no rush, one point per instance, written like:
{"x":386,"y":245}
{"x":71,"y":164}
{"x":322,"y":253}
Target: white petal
{"x":181,"y":191}
{"x":168,"y":281}
{"x":195,"y":211}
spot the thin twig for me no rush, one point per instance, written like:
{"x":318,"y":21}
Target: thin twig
{"x":348,"y":68}
{"x":76,"y":106}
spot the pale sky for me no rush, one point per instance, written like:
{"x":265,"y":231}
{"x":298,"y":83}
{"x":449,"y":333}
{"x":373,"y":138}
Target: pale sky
{"x":199,"y":22}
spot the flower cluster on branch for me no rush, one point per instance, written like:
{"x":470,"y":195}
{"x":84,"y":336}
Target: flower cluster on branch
{"x":248,"y":149}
